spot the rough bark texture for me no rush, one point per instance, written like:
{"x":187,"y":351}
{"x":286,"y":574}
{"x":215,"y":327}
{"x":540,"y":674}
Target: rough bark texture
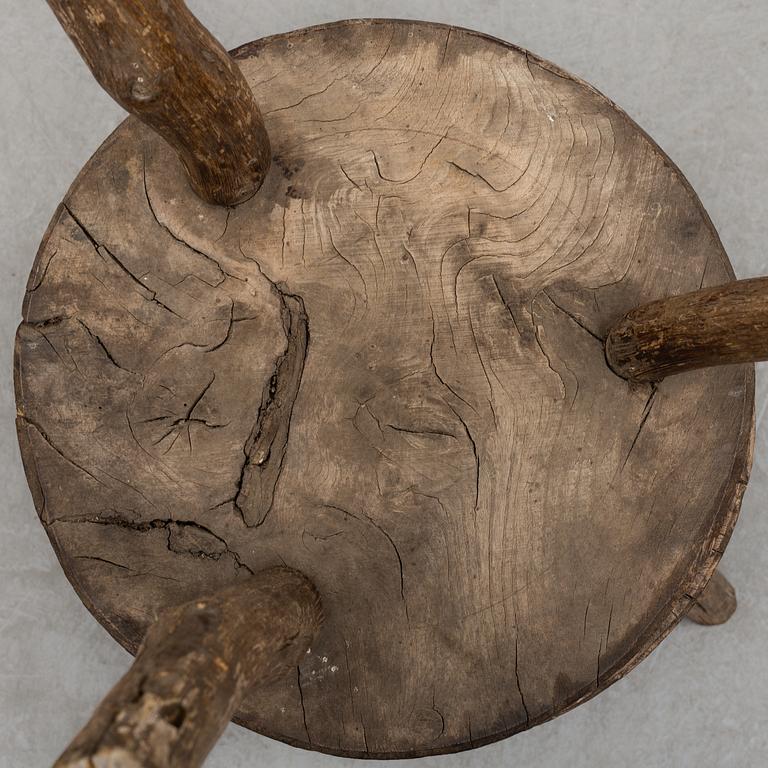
{"x":192,"y":670}
{"x":387,"y":369}
{"x":157,"y":61}
{"x":716,"y":604}
{"x":714,"y":326}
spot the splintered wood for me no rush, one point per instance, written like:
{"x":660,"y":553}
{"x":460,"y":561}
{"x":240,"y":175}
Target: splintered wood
{"x":387,"y":370}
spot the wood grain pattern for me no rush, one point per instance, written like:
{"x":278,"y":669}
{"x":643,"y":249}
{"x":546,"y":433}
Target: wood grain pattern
{"x":716,"y":604}
{"x":192,"y":670}
{"x":158,"y":62}
{"x":715,"y":326}
{"x":387,"y":371}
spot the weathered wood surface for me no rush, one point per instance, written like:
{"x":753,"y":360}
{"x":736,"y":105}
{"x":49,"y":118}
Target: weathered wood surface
{"x":387,"y":370}
{"x":716,"y":604}
{"x":158,"y":62}
{"x":713,"y":326}
{"x":192,"y":670}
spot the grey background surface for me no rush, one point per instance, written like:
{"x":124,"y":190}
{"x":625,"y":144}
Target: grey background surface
{"x":693,"y":73}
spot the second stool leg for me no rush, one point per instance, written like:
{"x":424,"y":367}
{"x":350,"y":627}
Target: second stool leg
{"x":716,"y":603}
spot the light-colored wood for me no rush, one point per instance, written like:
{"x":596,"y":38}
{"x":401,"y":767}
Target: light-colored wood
{"x":387,"y":370}
{"x":192,"y":670}
{"x":715,"y":326}
{"x":716,"y":604}
{"x":158,"y":62}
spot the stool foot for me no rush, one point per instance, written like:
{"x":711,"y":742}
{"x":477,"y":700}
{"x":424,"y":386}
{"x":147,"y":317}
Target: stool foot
{"x":716,"y":603}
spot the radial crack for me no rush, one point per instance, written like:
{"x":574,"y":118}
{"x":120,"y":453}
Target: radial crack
{"x":167,"y":525}
{"x":107,"y":255}
{"x":101,"y":345}
{"x":575,"y":319}
{"x":301,"y":701}
{"x":223,"y":273}
{"x":519,"y":686}
{"x":646,"y":413}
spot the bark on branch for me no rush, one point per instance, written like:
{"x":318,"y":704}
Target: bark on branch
{"x":714,"y":326}
{"x":156,"y":60}
{"x":192,"y":670}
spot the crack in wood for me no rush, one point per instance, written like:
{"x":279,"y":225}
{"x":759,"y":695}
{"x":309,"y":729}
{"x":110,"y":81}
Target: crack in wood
{"x":169,"y":526}
{"x":108,"y":256}
{"x":301,"y":702}
{"x":264,"y":450}
{"x":517,"y":680}
{"x":646,"y":413}
{"x":575,"y":319}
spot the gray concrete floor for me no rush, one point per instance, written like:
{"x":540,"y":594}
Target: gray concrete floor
{"x":693,"y":73}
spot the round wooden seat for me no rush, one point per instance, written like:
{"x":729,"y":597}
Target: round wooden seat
{"x":387,"y":371}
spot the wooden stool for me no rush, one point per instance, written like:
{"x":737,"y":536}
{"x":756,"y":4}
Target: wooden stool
{"x":370,"y":365}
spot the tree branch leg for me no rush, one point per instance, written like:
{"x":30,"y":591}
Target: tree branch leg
{"x":714,"y":326}
{"x":192,"y":670}
{"x":158,"y":62}
{"x":716,"y":603}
